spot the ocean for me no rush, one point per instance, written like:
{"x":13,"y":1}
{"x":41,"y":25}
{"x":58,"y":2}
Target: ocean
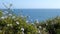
{"x":40,"y":14}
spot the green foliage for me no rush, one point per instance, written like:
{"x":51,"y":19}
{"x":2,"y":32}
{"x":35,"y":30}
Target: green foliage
{"x":52,"y":25}
{"x":58,"y":31}
{"x":0,"y":13}
{"x":9,"y":25}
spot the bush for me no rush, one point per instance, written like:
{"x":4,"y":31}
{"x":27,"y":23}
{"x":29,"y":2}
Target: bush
{"x":10,"y":25}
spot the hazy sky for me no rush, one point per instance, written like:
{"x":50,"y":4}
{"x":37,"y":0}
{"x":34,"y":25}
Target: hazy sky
{"x":38,"y":4}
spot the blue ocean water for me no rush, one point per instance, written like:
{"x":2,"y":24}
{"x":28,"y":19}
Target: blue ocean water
{"x":40,"y":14}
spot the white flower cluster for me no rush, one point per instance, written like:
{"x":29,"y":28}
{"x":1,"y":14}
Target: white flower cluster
{"x":3,"y":17}
{"x":37,"y":21}
{"x":9,"y":24}
{"x":22,"y":29}
{"x":13,"y":17}
{"x":46,"y":23}
{"x":10,"y":14}
{"x":27,"y":21}
{"x":40,"y":27}
{"x":44,"y":28}
{"x":17,"y":22}
{"x":39,"y":31}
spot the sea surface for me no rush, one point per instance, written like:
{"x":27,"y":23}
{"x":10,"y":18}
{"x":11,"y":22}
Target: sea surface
{"x":40,"y":14}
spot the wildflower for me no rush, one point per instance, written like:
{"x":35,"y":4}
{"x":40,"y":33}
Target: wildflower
{"x":8,"y":25}
{"x":39,"y":31}
{"x":22,"y":29}
{"x":2,"y":17}
{"x":17,"y":22}
{"x":27,"y":21}
{"x":46,"y":24}
{"x":44,"y":28}
{"x":10,"y":14}
{"x":40,"y":27}
{"x":37,"y":21}
{"x":13,"y":17}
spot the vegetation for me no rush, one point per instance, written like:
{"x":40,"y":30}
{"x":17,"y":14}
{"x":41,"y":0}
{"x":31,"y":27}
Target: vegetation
{"x":12,"y":24}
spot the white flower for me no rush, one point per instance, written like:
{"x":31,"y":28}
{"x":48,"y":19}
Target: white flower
{"x":44,"y":28}
{"x":2,"y":17}
{"x":17,"y":22}
{"x":37,"y":21}
{"x":46,"y":24}
{"x":10,"y":14}
{"x":22,"y":29}
{"x":39,"y":31}
{"x":40,"y":27}
{"x":8,"y":24}
{"x":27,"y":21}
{"x":13,"y":17}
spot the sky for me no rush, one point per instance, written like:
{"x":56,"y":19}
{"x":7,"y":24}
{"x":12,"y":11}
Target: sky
{"x":32,"y":4}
